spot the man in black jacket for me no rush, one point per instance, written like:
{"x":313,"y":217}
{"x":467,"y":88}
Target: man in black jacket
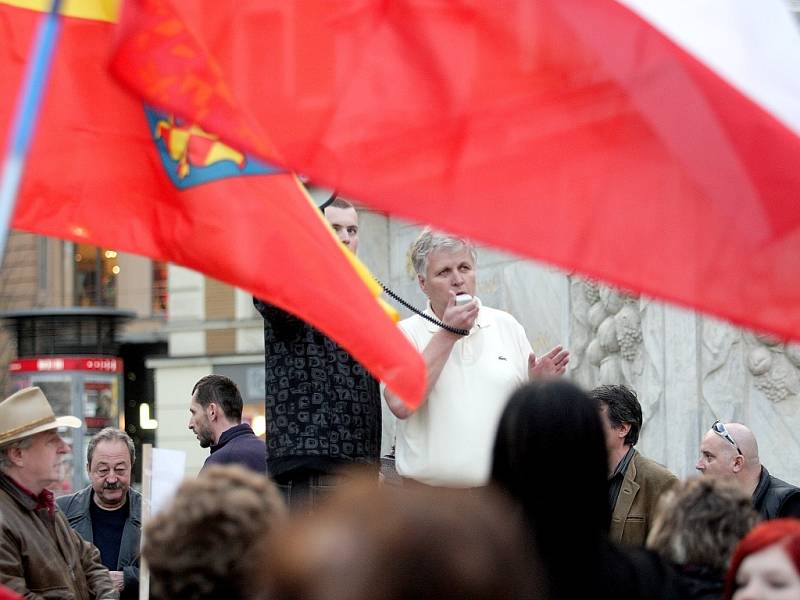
{"x":730,"y":451}
{"x":216,"y":420}
{"x":108,"y":513}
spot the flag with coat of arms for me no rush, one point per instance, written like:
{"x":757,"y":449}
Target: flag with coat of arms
{"x":106,"y":168}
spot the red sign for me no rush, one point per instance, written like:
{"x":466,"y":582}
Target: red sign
{"x":97,"y":422}
{"x":103,"y":364}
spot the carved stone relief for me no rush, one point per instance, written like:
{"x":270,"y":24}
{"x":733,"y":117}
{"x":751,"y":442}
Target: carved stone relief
{"x":724,"y":380}
{"x":775,"y":367}
{"x":606,"y":334}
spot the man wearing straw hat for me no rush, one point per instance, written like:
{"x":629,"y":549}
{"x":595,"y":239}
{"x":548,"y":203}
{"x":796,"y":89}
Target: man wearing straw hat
{"x":40,"y":555}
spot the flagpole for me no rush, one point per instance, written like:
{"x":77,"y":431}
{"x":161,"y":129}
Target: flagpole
{"x":25,"y":115}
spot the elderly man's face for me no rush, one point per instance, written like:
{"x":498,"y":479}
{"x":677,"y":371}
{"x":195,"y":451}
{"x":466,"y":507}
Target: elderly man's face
{"x":448,"y":270}
{"x":110,"y":472}
{"x":717,"y":456}
{"x":344,"y":222}
{"x":42,"y":460}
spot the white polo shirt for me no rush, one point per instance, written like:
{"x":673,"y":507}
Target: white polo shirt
{"x":449,"y":440}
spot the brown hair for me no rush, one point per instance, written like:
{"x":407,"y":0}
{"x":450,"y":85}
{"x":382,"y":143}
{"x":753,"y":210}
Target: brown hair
{"x":403,"y":544}
{"x":223,"y":392}
{"x":208,"y":543}
{"x":341,"y":203}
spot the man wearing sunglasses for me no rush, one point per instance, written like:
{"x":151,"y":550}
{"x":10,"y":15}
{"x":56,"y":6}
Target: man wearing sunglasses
{"x":730,"y":451}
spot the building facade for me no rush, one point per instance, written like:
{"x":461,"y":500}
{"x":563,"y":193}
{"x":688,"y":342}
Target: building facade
{"x":79,"y":321}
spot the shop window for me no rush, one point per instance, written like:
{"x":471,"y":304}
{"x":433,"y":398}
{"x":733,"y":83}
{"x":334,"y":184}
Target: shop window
{"x":96,"y":271}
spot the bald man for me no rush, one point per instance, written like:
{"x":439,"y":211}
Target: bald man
{"x":730,"y":451}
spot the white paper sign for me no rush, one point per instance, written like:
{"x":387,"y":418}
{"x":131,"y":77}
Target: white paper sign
{"x":168,"y":467}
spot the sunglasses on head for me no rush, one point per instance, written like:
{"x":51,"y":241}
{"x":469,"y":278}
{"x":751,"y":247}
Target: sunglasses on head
{"x":719,"y":428}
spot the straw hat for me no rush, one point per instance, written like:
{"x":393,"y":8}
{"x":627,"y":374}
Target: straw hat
{"x":28,"y":412}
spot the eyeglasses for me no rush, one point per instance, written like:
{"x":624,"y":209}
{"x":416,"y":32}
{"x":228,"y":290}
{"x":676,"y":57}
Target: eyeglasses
{"x":719,"y":428}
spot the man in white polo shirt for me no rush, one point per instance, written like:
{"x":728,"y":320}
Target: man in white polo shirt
{"x":448,"y":440}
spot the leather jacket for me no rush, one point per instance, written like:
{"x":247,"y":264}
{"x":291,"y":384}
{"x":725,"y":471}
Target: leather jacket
{"x":76,"y":508}
{"x":42,"y":557}
{"x":774,"y":498}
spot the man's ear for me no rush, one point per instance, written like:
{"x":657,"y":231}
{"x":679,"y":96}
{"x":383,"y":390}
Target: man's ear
{"x":622,"y":430}
{"x":211,"y":411}
{"x":421,"y":281}
{"x":738,"y":463}
{"x":15,"y":456}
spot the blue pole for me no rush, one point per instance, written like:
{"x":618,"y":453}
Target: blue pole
{"x":25,"y":116}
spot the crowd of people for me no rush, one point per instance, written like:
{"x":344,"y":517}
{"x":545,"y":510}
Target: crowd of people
{"x":511,"y":481}
{"x":541,"y":528}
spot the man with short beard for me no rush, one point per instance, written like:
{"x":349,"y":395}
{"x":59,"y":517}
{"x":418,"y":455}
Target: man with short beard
{"x":108,"y":513}
{"x":216,"y":420}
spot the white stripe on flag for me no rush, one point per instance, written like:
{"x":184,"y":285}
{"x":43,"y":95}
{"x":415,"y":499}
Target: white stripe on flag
{"x":754,"y":45}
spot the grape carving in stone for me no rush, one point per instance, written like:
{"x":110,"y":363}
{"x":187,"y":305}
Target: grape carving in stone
{"x":613,"y":331}
{"x":775,"y":367}
{"x":629,"y":331}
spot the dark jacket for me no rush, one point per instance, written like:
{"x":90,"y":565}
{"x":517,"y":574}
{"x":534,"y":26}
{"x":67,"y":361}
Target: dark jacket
{"x":774,"y":498}
{"x":41,"y":556}
{"x":632,"y":516}
{"x":323,"y":408}
{"x":700,"y":583}
{"x":610,"y":571}
{"x":239,"y":445}
{"x":76,"y":508}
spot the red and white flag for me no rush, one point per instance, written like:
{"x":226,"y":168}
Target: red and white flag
{"x":654,"y":145}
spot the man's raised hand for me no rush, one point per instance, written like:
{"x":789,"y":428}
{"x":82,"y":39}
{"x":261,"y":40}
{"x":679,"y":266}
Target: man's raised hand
{"x":552,"y":364}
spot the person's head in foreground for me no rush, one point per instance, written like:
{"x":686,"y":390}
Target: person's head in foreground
{"x":766,"y":563}
{"x":208,"y":543}
{"x":550,"y":458}
{"x":697,"y":526}
{"x":550,"y":435}
{"x":393,"y":543}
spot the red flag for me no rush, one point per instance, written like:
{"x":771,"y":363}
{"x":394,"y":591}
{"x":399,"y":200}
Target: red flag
{"x":106,"y":171}
{"x":578,"y":132}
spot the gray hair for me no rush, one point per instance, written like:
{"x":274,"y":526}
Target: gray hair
{"x":430,"y":241}
{"x":22,"y":444}
{"x":109,"y":434}
{"x":701,"y":521}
